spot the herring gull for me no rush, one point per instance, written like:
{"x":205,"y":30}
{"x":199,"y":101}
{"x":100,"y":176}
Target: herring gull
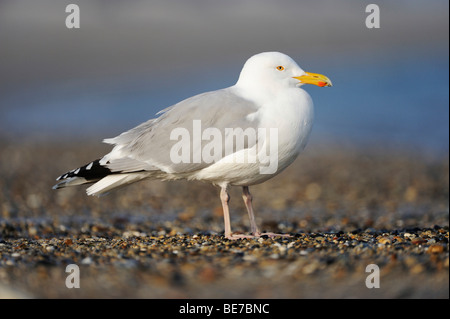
{"x":241,"y":135}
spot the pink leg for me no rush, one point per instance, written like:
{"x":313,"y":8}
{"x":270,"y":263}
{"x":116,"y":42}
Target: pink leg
{"x":248,"y":198}
{"x":225,"y":198}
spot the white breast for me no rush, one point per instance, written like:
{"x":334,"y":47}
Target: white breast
{"x":291,"y":114}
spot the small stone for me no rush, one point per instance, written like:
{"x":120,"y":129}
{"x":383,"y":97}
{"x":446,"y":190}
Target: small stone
{"x":49,"y":248}
{"x":207,"y":274}
{"x":309,"y":269}
{"x":436,"y":249}
{"x":32,"y":231}
{"x":416,"y":269}
{"x":249,"y":258}
{"x":10,"y":262}
{"x":313,"y":191}
{"x":384,"y":240}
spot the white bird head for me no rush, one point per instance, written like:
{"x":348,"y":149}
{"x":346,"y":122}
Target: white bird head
{"x":274,"y":70}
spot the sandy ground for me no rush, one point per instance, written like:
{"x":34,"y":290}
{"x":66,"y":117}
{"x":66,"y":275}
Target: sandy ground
{"x":345,"y":208}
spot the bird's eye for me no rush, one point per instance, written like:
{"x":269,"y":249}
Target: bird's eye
{"x":280,"y":68}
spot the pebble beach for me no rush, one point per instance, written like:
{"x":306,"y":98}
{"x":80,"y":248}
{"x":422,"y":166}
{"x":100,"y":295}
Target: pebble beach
{"x":345,"y":208}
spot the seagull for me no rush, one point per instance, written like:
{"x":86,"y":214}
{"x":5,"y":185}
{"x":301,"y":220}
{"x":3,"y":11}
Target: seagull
{"x":241,"y":135}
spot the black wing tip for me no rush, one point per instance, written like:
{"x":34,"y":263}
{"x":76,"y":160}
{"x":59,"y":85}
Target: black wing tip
{"x":91,"y":171}
{"x":64,"y":176}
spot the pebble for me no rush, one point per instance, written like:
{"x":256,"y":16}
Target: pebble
{"x":310,"y":268}
{"x":384,"y":240}
{"x":86,"y":261}
{"x":49,"y":248}
{"x":208,"y":258}
{"x":344,"y":208}
{"x":436,"y":249}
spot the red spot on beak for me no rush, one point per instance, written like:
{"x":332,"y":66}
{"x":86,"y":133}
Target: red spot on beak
{"x":321,"y":84}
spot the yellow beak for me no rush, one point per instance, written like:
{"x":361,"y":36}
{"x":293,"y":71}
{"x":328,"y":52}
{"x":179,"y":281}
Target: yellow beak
{"x":314,"y":78}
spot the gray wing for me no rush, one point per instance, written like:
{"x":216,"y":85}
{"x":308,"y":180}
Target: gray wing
{"x":148,"y":146}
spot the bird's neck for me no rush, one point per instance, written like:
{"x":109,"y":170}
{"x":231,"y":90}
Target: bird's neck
{"x":256,"y":93}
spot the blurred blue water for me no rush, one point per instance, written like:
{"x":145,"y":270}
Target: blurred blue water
{"x":399,"y":102}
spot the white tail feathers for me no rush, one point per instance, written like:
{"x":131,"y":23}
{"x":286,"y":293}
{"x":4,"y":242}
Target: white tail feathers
{"x":114,"y":181}
{"x":72,"y":181}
